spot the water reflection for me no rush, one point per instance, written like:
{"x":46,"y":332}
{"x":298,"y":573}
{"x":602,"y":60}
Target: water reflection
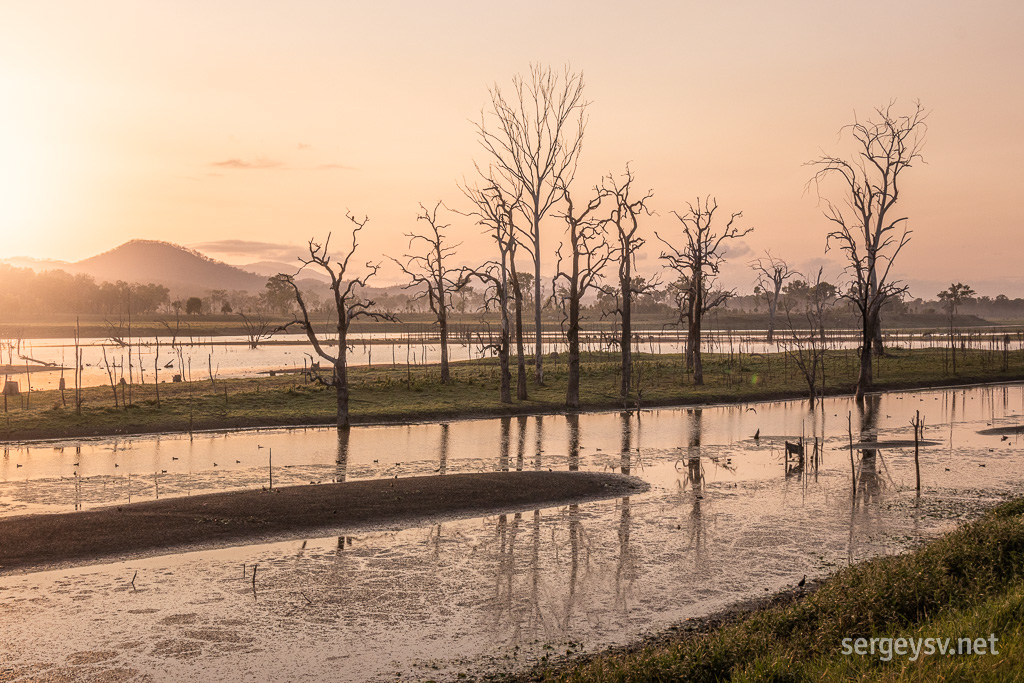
{"x":341,"y":469}
{"x":572,"y":424}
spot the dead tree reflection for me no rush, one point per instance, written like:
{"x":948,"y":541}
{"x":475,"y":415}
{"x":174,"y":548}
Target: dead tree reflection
{"x":626,"y":444}
{"x":521,"y":442}
{"x":442,"y":450}
{"x":626,"y":567}
{"x":504,"y":442}
{"x":341,"y":462}
{"x":539,"y":442}
{"x":572,"y":422}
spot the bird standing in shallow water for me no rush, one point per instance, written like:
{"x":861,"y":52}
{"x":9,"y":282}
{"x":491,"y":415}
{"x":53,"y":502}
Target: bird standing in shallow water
{"x":803,"y":582}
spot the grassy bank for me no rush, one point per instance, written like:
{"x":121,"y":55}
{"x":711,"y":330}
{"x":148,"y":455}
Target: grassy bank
{"x":969,"y":583}
{"x":399,"y":393}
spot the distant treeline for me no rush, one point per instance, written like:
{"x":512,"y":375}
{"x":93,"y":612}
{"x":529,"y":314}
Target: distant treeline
{"x":25,"y":292}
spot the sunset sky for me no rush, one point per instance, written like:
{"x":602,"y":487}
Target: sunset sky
{"x":243,"y":128}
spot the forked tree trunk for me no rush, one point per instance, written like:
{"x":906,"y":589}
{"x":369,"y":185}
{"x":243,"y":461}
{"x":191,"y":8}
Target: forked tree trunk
{"x":572,"y":392}
{"x":625,"y":341}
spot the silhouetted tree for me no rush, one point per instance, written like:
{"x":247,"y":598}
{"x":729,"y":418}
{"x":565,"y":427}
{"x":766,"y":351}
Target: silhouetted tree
{"x":771,"y":274}
{"x":589,"y":254}
{"x":534,"y":141}
{"x":193,"y":305}
{"x":864,"y":225}
{"x":697,"y":261}
{"x":348,"y":306}
{"x":496,"y":212}
{"x":429,"y":270}
{"x":625,"y":216}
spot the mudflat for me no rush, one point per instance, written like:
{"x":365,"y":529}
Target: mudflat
{"x":34,"y":541}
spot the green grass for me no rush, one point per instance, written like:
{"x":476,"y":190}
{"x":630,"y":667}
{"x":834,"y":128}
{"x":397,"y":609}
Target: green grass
{"x":396,"y":393}
{"x":969,"y":583}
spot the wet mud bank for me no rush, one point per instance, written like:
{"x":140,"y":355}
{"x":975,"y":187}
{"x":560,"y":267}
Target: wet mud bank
{"x":37,"y":541}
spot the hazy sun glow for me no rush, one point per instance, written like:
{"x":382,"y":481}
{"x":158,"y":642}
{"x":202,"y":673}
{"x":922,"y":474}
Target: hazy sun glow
{"x":198,"y":122}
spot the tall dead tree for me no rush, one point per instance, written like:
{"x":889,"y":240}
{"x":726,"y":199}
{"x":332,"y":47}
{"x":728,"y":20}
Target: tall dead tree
{"x":496,"y":211}
{"x":698,"y":260}
{"x":348,"y":306}
{"x":534,"y":140}
{"x":582,"y":271}
{"x":430,"y":271}
{"x":494,"y":275}
{"x":625,"y":216}
{"x":864,"y":224}
{"x":771,"y":274}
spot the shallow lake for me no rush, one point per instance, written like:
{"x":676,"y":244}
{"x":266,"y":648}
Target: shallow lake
{"x":232,"y":356}
{"x":726,"y":518}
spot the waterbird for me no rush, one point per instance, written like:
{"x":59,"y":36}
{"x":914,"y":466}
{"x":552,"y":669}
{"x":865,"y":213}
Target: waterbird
{"x":214,"y":464}
{"x":173,"y":458}
{"x":803,"y":582}
{"x":238,"y":461}
{"x":757,"y":434}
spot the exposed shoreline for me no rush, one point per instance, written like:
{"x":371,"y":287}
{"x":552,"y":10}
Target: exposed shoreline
{"x":35,"y":542}
{"x":533,"y":407}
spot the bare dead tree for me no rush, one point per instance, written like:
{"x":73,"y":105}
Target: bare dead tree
{"x":535,"y":138}
{"x":698,"y":261}
{"x":257,"y":329}
{"x":864,"y":224}
{"x":348,"y":306}
{"x":496,"y":211}
{"x":494,"y":275}
{"x":588,"y":256}
{"x":430,"y":271}
{"x":771,"y":274}
{"x":625,"y":216}
{"x":803,"y":343}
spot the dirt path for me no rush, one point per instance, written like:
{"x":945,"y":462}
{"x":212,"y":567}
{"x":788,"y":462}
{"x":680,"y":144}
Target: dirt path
{"x":35,"y":541}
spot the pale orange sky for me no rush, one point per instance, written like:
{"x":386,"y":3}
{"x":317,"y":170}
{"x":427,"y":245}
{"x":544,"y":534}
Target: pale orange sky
{"x":199,"y":122}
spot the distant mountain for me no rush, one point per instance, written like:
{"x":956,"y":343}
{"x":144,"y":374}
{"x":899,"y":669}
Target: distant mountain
{"x":181,"y":270}
{"x":37,"y":264}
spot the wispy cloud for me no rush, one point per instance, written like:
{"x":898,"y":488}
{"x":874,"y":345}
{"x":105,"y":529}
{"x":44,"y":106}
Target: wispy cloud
{"x":249,"y":249}
{"x":265,"y":164}
{"x":304,"y":146}
{"x":259,"y":163}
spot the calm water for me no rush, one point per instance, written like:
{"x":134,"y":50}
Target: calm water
{"x":725,"y":519}
{"x":232,"y":357}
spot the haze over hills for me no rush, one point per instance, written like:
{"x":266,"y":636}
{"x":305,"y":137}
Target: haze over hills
{"x":271,"y":268}
{"x":179,"y":269}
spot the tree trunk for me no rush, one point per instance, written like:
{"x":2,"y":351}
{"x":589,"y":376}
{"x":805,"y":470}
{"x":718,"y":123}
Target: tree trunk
{"x":538,"y":373}
{"x":698,"y":366}
{"x":506,"y":376}
{"x":341,"y":379}
{"x":442,"y":320}
{"x":572,"y":392}
{"x":503,"y":347}
{"x":520,"y":351}
{"x":696,"y":313}
{"x":876,"y":337}
{"x":772,"y":305}
{"x":625,"y":341}
{"x":864,"y":379}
